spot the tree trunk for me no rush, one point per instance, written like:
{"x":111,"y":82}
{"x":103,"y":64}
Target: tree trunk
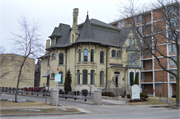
{"x":19,"y":75}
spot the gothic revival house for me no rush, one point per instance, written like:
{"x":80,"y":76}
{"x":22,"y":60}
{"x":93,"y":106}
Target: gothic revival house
{"x":96,"y":54}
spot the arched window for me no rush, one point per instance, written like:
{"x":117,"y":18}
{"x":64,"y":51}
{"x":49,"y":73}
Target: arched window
{"x":131,"y":78}
{"x":92,"y":77}
{"x":85,"y":77}
{"x":85,"y":55}
{"x":61,"y":58}
{"x":133,"y":42}
{"x":79,"y":55}
{"x":92,"y":55}
{"x":78,"y":77}
{"x":129,"y":42}
{"x":113,"y":53}
{"x":119,"y":54}
{"x":116,"y":72}
{"x":101,"y":56}
{"x":53,"y":56}
{"x":101,"y":78}
{"x":61,"y":82}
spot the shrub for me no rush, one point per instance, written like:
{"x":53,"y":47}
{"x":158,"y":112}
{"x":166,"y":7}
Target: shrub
{"x":61,"y":92}
{"x":83,"y":92}
{"x":143,"y":95}
{"x":174,"y":96}
{"x":123,"y":96}
{"x":136,"y":100}
{"x":110,"y":94}
{"x":128,"y":96}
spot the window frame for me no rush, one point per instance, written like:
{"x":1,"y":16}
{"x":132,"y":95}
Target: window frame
{"x":118,"y":54}
{"x":78,"y":77}
{"x":79,"y":55}
{"x":85,"y":77}
{"x":85,"y":52}
{"x":92,"y":55}
{"x":101,"y":83}
{"x":102,"y":57}
{"x":61,"y":58}
{"x":113,"y":53}
{"x":53,"y":56}
{"x":61,"y":83}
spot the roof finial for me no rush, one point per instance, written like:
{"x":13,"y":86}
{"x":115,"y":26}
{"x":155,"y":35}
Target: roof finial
{"x":87,"y":12}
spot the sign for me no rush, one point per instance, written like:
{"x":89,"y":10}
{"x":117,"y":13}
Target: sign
{"x":57,"y":77}
{"x":135,"y":92}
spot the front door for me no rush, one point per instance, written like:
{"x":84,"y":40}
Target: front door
{"x":116,"y":81}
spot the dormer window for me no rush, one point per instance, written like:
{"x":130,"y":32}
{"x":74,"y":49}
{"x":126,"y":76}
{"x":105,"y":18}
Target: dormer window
{"x":131,"y":42}
{"x":113,"y":53}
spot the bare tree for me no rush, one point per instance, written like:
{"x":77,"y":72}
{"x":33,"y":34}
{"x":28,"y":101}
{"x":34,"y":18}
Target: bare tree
{"x":27,"y":43}
{"x":166,"y":15}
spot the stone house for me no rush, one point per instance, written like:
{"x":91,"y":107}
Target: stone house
{"x":10,"y":66}
{"x":95,"y":52}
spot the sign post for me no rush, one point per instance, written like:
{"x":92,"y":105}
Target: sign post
{"x":57,"y":79}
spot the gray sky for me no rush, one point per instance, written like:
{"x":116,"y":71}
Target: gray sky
{"x":49,"y":13}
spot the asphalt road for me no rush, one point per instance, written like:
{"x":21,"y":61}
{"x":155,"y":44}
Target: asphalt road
{"x":120,"y":111}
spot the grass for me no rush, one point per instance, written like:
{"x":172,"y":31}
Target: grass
{"x":150,"y":101}
{"x":171,"y":99}
{"x":29,"y":103}
{"x":43,"y":110}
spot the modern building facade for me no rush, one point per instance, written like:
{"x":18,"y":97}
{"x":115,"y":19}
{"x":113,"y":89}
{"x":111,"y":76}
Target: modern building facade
{"x":95,"y":53}
{"x":154,"y":80}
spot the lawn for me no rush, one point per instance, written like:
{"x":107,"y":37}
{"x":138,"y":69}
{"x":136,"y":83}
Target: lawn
{"x":150,"y":101}
{"x":37,"y":110}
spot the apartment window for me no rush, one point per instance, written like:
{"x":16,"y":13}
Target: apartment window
{"x":121,"y":24}
{"x":172,"y":76}
{"x":174,"y":21}
{"x":113,"y":53}
{"x":48,"y":62}
{"x":92,"y":77}
{"x":80,"y":55}
{"x":101,"y":78}
{"x":119,"y":54}
{"x":52,"y":75}
{"x":171,"y":62}
{"x":85,"y":77}
{"x":172,"y":48}
{"x":61,"y":82}
{"x":92,"y":55}
{"x":138,"y":19}
{"x":139,"y":30}
{"x":61,"y":57}
{"x":143,"y":64}
{"x":101,"y":56}
{"x":131,"y":78}
{"x":78,"y":77}
{"x":85,"y":55}
{"x":53,"y":56}
{"x":143,"y":76}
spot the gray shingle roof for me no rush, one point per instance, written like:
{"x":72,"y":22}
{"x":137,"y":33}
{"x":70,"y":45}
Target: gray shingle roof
{"x":93,"y":31}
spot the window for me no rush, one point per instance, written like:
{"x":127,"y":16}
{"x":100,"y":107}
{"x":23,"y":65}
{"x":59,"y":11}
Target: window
{"x":139,"y":29}
{"x":61,"y":57}
{"x":133,"y":58}
{"x":101,"y":78}
{"x":138,"y":19}
{"x":48,"y":62}
{"x":85,"y":55}
{"x":172,"y":76}
{"x":171,"y":62}
{"x":137,"y":73}
{"x":143,"y":64}
{"x":53,"y":56}
{"x":172,"y":48}
{"x":143,"y":76}
{"x":119,"y":54}
{"x":78,"y":77}
{"x":131,"y":78}
{"x":92,"y":55}
{"x":102,"y":57}
{"x":52,"y":75}
{"x":132,"y":42}
{"x":61,"y":82}
{"x":85,"y":76}
{"x":173,"y":35}
{"x":129,"y":42}
{"x":113,"y":53}
{"x":80,"y":55}
{"x":121,"y":24}
{"x":92,"y":77}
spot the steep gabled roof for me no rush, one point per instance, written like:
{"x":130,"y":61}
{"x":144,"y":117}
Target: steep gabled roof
{"x":86,"y":33}
{"x":56,"y":32}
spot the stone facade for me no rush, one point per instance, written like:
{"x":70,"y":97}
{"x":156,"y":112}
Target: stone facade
{"x":10,"y":66}
{"x":97,"y":54}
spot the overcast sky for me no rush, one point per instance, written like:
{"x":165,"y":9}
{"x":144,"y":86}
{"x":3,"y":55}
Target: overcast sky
{"x":49,"y":13}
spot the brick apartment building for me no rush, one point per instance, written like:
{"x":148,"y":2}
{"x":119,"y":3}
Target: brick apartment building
{"x":153,"y":78}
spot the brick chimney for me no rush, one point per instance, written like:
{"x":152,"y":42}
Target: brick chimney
{"x":75,"y":18}
{"x":47,"y":44}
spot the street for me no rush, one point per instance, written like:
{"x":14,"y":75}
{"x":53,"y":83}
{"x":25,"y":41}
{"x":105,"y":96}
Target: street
{"x":120,"y":111}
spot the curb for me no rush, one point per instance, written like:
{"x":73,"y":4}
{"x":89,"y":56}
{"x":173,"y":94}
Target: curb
{"x":41,"y":114}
